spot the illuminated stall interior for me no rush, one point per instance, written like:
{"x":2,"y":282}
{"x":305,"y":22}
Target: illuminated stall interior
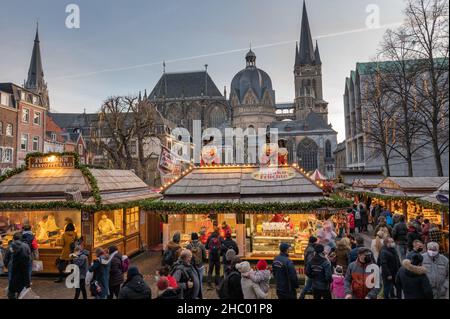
{"x":258,"y":234}
{"x":40,"y":197}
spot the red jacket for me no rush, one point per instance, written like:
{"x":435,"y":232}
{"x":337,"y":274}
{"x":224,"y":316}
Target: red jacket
{"x":351,"y":220}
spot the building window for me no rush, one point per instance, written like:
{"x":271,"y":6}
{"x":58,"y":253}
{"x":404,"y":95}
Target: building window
{"x":37,"y":118}
{"x":307,"y":153}
{"x":1,"y":128}
{"x":7,"y":155}
{"x":53,"y":136}
{"x":217,"y":117}
{"x":24,"y":142}
{"x":4,"y":99}
{"x":36,"y":143}
{"x":9,"y":129}
{"x":26,"y":115}
{"x":35,"y":100}
{"x":132,"y":220}
{"x":328,"y":149}
{"x":80,"y":149}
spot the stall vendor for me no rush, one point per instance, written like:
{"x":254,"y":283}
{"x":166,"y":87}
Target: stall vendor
{"x":106,"y":226}
{"x":225,"y":228}
{"x":42,"y":232}
{"x":51,"y":226}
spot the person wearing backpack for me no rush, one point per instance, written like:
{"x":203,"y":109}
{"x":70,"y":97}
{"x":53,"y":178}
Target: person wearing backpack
{"x":116,"y":272}
{"x":231,"y":287}
{"x":80,"y":258}
{"x":186,"y":276}
{"x":172,"y":251}
{"x":198,"y":256}
{"x":99,"y":286}
{"x":228,"y":244}
{"x":400,"y":235}
{"x":285,"y":274}
{"x":29,"y":239}
{"x":17,"y":260}
{"x":68,"y":245}
{"x":214,"y":246}
{"x":320,"y":272}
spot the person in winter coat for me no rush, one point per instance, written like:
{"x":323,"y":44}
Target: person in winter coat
{"x":400,"y":235}
{"x":418,"y":248}
{"x":18,"y":260}
{"x":353,"y":254}
{"x":285,"y":274}
{"x":364,"y":217}
{"x":307,"y":256}
{"x":412,"y":279}
{"x":214,"y":247}
{"x":319,"y":270}
{"x":187,"y":276}
{"x":435,"y":234}
{"x":412,"y":235}
{"x":437,"y":266}
{"x":115,"y":272}
{"x":356,"y":277}
{"x":100,"y":269}
{"x":135,"y":287}
{"x":260,"y":276}
{"x":233,"y":281}
{"x":227,"y":244}
{"x":29,"y":239}
{"x":418,"y":222}
{"x":377,"y":244}
{"x":165,"y":291}
{"x":198,"y":251}
{"x":351,"y":221}
{"x":67,"y":241}
{"x":426,"y":231}
{"x":165,"y":272}
{"x":250,"y":289}
{"x":342,"y":251}
{"x":80,"y":259}
{"x":390,"y":264}
{"x":337,"y":286}
{"x":384,"y":227}
{"x":172,"y":251}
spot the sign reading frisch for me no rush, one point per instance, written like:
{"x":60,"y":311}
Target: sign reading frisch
{"x":51,"y":161}
{"x":274,"y":175}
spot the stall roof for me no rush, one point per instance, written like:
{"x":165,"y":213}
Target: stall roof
{"x":237,"y":184}
{"x":33,"y":185}
{"x":433,"y":198}
{"x":367,"y":183}
{"x":413,"y":184}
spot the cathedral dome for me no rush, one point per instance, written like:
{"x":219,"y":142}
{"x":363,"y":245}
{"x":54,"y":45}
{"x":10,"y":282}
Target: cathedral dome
{"x":252,"y":78}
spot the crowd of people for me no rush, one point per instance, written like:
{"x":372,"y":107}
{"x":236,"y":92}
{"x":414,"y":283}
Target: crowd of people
{"x":338,"y":264}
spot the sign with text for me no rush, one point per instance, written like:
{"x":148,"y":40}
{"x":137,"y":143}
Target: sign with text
{"x":51,"y":161}
{"x":274,"y":175}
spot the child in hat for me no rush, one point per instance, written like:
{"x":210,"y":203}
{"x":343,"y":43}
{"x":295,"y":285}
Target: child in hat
{"x":337,"y":286}
{"x":261,"y":276}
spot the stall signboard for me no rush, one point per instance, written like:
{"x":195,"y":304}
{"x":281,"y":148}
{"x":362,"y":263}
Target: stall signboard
{"x":51,"y":161}
{"x":442,"y":199}
{"x":274,"y":175}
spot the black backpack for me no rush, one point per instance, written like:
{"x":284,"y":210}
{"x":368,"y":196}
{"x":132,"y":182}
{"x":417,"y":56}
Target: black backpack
{"x":223,"y":288}
{"x":168,"y":257}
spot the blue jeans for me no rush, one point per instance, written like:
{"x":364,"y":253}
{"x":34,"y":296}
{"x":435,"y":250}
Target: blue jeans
{"x":388,"y":289}
{"x":201,"y":273}
{"x":307,"y":289}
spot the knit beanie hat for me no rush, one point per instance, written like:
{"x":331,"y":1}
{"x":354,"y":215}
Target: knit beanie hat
{"x":132,"y":271}
{"x":243,"y":267}
{"x":318,"y":248}
{"x":230,"y":254}
{"x":261,"y":265}
{"x":284,"y":247}
{"x":194,"y":236}
{"x":163,"y":283}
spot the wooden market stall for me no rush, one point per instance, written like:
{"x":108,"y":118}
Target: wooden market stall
{"x":409,"y":196}
{"x":104,"y":205}
{"x":263,"y":207}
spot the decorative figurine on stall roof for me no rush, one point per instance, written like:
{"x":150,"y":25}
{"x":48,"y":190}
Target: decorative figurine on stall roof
{"x":210,"y":153}
{"x":106,"y":226}
{"x":282,"y":153}
{"x":42,"y":231}
{"x":269,"y":155}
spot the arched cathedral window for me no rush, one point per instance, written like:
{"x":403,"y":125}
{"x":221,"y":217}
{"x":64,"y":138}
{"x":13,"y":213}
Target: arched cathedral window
{"x":307,"y":154}
{"x":328,"y":149}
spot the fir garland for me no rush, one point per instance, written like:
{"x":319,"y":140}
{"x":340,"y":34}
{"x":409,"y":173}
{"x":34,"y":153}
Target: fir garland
{"x":325,"y":205}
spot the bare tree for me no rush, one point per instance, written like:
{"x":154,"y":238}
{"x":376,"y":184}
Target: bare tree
{"x":427,"y":26}
{"x":125,"y":132}
{"x":398,"y":78}
{"x":378,"y":118}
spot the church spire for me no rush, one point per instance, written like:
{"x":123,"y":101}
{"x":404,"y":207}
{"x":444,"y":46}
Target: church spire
{"x":306,"y":52}
{"x":317,"y":59}
{"x":35,"y":81}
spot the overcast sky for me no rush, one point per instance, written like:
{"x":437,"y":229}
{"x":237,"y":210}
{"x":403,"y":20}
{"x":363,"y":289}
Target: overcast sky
{"x":120,"y":45}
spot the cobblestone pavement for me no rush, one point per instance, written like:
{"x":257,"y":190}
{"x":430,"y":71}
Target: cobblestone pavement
{"x":147,"y":263}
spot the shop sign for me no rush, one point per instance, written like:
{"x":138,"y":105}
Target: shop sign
{"x":274,"y":226}
{"x":442,"y":199}
{"x":52,"y":161}
{"x":274,"y":175}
